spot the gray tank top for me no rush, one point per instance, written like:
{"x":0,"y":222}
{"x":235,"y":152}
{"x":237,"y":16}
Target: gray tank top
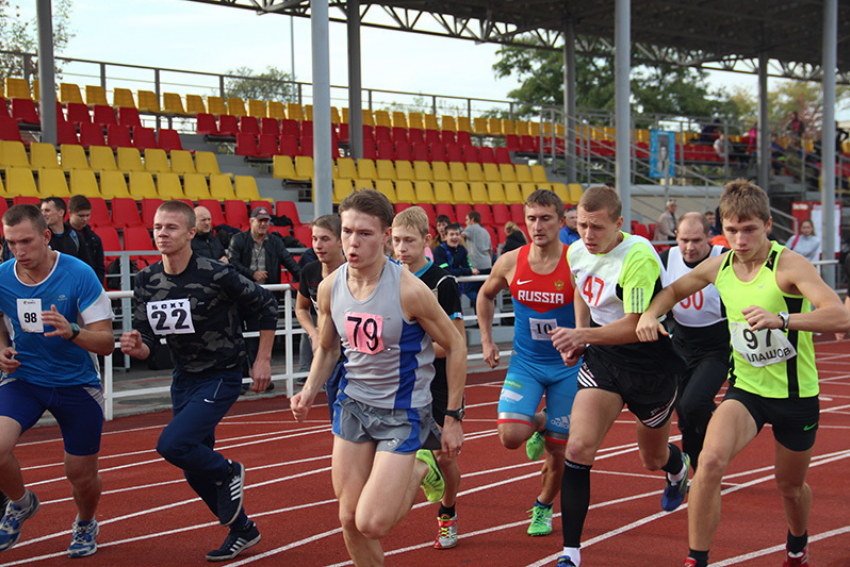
{"x":388,"y":359}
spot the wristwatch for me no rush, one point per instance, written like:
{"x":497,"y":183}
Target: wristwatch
{"x":456,"y":414}
{"x":75,"y":330}
{"x":785,"y":317}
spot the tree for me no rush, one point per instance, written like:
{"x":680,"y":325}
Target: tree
{"x":20,"y":35}
{"x":271,"y":84}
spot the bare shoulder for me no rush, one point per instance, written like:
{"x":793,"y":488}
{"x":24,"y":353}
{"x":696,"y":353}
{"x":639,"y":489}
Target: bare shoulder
{"x":416,"y":298}
{"x":326,"y":285}
{"x":505,"y":265}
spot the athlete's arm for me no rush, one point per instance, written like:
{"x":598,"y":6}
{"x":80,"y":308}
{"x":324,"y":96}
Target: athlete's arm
{"x":326,"y":354}
{"x":261,"y":370}
{"x":485,"y":306}
{"x":95,"y":337}
{"x":8,"y":364}
{"x":302,"y":313}
{"x":582,"y":314}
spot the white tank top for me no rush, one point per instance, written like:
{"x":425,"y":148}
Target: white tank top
{"x":701,"y":309}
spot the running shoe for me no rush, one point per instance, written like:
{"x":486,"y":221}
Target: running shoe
{"x":83,"y":541}
{"x":801,"y":561}
{"x":674,"y":493}
{"x":433,"y":485}
{"x":447,"y":534}
{"x":690,"y":562}
{"x":535,"y":446}
{"x":564,"y":561}
{"x":230,"y":494}
{"x":13,"y":520}
{"x":541,"y":520}
{"x":235,"y":543}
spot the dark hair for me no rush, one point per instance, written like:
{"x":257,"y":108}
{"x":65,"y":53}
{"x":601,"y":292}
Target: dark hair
{"x":442,"y":218}
{"x":454,"y":226}
{"x":179,"y":207}
{"x":370,"y":202}
{"x":546,"y":198}
{"x":19,"y":213}
{"x":79,"y":203}
{"x":601,"y":197}
{"x":745,"y":200}
{"x":329,"y":222}
{"x":475,"y":216}
{"x":58,"y":202}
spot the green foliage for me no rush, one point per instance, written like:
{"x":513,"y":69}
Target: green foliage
{"x":271,"y":84}
{"x":18,"y":34}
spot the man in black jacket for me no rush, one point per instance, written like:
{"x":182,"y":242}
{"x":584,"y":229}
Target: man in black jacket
{"x":205,"y":242}
{"x":80,"y":212}
{"x":63,"y":238}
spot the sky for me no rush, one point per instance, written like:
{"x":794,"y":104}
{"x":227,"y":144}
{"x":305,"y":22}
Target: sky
{"x":177,"y":34}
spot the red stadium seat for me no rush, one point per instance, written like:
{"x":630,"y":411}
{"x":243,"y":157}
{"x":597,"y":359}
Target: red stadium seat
{"x":399,"y":135}
{"x":270,"y":126}
{"x":446,"y":209}
{"x":306,"y":128}
{"x":66,"y":133}
{"x":228,"y":125}
{"x":416,"y":137}
{"x":429,"y":211}
{"x":206,"y":125}
{"x":501,"y":214}
{"x":149,"y":207}
{"x":287,"y":209}
{"x":246,"y":145}
{"x":236,"y":214}
{"x":249,"y":125}
{"x":91,"y":135}
{"x":447,"y":137}
{"x":266,"y":146}
{"x":289,"y":127}
{"x":214,"y":208}
{"x":485,"y":154}
{"x":103,"y":116}
{"x":344,"y":133}
{"x":144,"y":138}
{"x":461,"y":210}
{"x":306,"y":146}
{"x":24,"y":112}
{"x":169,"y":140}
{"x":437,"y":152}
{"x":77,"y":113}
{"x":518,"y":213}
{"x":385,"y":150}
{"x":382,"y":134}
{"x":288,"y":146}
{"x":9,"y":130}
{"x":485,"y":212}
{"x":118,"y":136}
{"x":125,"y":213}
{"x":129,"y":117}
{"x":464,"y":139}
{"x":403,"y":152}
{"x":137,"y":238}
{"x":471,"y":155}
{"x":99,"y":212}
{"x":512,"y":143}
{"x":432,"y":137}
{"x":503,"y":156}
{"x":453,"y":153}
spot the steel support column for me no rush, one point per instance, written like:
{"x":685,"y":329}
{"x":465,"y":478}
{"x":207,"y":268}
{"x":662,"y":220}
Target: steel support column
{"x":622,"y":91}
{"x":830,"y":56}
{"x":322,"y":161}
{"x":355,"y":95}
{"x":46,"y":78}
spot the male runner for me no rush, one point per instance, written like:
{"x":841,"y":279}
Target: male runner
{"x":383,"y":425}
{"x":700,"y":332}
{"x":410,"y":240}
{"x":56,"y":315}
{"x":615,"y":276}
{"x":769,"y":293}
{"x":540,"y":282}
{"x":191,"y":301}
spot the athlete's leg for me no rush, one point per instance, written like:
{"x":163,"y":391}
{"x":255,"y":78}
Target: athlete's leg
{"x":85,"y":482}
{"x":451,"y":475}
{"x":791,"y":468}
{"x":696,"y":403}
{"x":653,"y":445}
{"x":351,"y":467}
{"x":553,"y":470}
{"x":11,"y":480}
{"x":729,"y":431}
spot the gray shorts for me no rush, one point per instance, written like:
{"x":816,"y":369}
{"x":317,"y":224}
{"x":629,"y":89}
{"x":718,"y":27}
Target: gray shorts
{"x":397,"y":431}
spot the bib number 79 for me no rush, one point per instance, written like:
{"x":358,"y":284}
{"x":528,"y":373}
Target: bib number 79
{"x":364,"y":332}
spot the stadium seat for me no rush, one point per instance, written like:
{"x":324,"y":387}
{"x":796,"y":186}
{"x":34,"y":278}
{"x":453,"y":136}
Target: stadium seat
{"x":156,"y":160}
{"x":538,"y":174}
{"x":236,"y":107}
{"x":267,"y":146}
{"x":282,"y":167}
{"x":42,"y":156}
{"x":73,"y":158}
{"x":173,"y":104}
{"x":214,"y":207}
{"x":523,"y":173}
{"x":294,"y":111}
{"x":118,"y":136}
{"x":9,"y":130}
{"x":527,"y":189}
{"x":236,"y":213}
{"x":443,"y":193}
{"x":484,"y":210}
{"x":457,"y":172}
{"x":123,"y":98}
{"x":503,"y":156}
{"x":206,"y":125}
{"x":342,"y":189}
{"x":96,"y":95}
{"x":461,"y":210}
{"x":148,"y":209}
{"x":245,"y":188}
{"x":129,"y":159}
{"x":422,"y":171}
{"x":474,"y":172}
{"x":575,"y":192}
{"x":366,"y":169}
{"x":168,"y":186}
{"x":20,"y":182}
{"x":111,"y":241}
{"x":513,"y":194}
{"x":144,"y":138}
{"x":103,"y":116}
{"x":66,"y":133}
{"x":363,"y":184}
{"x":17,"y":88}
{"x":289,"y":127}
{"x":125,"y":213}
{"x":453,"y":153}
{"x":129,"y":117}
{"x":113,"y":185}
{"x":246,"y":145}
{"x":24,"y":112}
{"x":447,"y":210}
{"x":13,"y":154}
{"x":77,"y":113}
{"x":195,"y":105}
{"x":507,"y":173}
{"x":52,"y":183}
{"x":69,"y":93}
{"x":195,"y":187}
{"x":288,"y":209}
{"x":216,"y":106}
{"x":228,"y":125}
{"x":289,"y":146}
{"x":424,"y":192}
{"x":440,"y":171}
{"x":83,"y":182}
{"x":478,"y":194}
{"x":206,"y":163}
{"x":437,"y":153}
{"x":491,"y":173}
{"x":405,"y":193}
{"x":460,"y":194}
{"x":512,"y":143}
{"x":501,"y":214}
{"x":221,"y":188}
{"x":270,"y":126}
{"x":496,"y":193}
{"x":149,"y":102}
{"x":91,"y":135}
{"x":101,"y":158}
{"x":346,"y":168}
{"x":463,"y":126}
{"x":385,"y":187}
{"x":169,"y":140}
{"x":404,"y":170}
{"x":257,"y":108}
{"x":142,"y":186}
{"x":137,"y":238}
{"x":249,"y":125}
{"x":385,"y":169}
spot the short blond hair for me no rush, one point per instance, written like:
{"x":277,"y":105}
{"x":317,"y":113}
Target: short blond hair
{"x":413,"y":217}
{"x":744,"y":199}
{"x":601,"y":197}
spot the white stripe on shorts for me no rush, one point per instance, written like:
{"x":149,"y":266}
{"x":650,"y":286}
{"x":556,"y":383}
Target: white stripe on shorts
{"x":585,"y":378}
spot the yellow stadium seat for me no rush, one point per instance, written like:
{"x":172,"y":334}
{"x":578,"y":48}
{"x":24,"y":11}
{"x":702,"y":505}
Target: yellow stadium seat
{"x":521,"y":127}
{"x":173,"y":104}
{"x":495,"y":127}
{"x":304,"y":168}
{"x":360,"y":184}
{"x":194,"y":186}
{"x":294,"y":111}
{"x":491,"y":173}
{"x":168,"y":186}
{"x":478,"y":193}
{"x":13,"y":154}
{"x":845,"y":147}
{"x":70,"y":92}
{"x":440,"y":170}
{"x":507,"y":172}
{"x":73,"y":157}
{"x":43,"y":156}
{"x":382,"y":118}
{"x":544,"y":186}
{"x":113,"y":184}
{"x":366,"y":169}
{"x":101,"y":158}
{"x":2,"y":187}
{"x":508,"y":126}
{"x":216,"y":106}
{"x":342,"y":189}
{"x":195,"y":105}
{"x":236,"y":107}
{"x":424,"y":192}
{"x":463,"y":124}
{"x":205,"y":162}
{"x":560,"y":130}
{"x":534,"y":129}
{"x":460,"y":192}
{"x":415,"y":122}
{"x":245,"y":188}
{"x":52,"y":183}
{"x":221,"y":188}
{"x":84,"y":183}
{"x":347,"y":168}
{"x":276,"y":110}
{"x":523,"y":173}
{"x":282,"y":167}
{"x":256,"y":108}
{"x":422,"y":171}
{"x":149,"y":102}
{"x":513,"y":193}
{"x":399,"y":119}
{"x":17,"y":88}
{"x":405,"y":193}
{"x":496,"y":193}
{"x":95,"y":94}
{"x":308,"y":112}
{"x":404,"y":170}
{"x":181,"y":162}
{"x":19,"y":180}
{"x":385,"y":187}
{"x":129,"y":160}
{"x":431,"y":122}
{"x":538,"y":174}
{"x":36,"y":92}
{"x":443,"y":193}
{"x":562,"y":191}
{"x":479,"y":126}
{"x":474,"y":171}
{"x":335,"y":119}
{"x":448,"y":123}
{"x":344,"y":115}
{"x":527,"y":189}
{"x":385,"y":169}
{"x":142,"y":186}
{"x":457,"y":172}
{"x":123,"y":98}
{"x":368,"y":117}
{"x":575,"y":192}
{"x":156,"y":160}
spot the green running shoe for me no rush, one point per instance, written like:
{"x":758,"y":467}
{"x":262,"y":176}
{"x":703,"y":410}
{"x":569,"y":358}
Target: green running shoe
{"x":541,"y":521}
{"x":433,"y":485}
{"x":535,"y":446}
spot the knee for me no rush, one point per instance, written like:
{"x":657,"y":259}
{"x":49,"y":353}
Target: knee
{"x":511,"y":438}
{"x":82,"y":477}
{"x":579,"y":451}
{"x":171,"y":449}
{"x":712,"y":466}
{"x":347,"y":519}
{"x":373,"y":526}
{"x":792,"y":491}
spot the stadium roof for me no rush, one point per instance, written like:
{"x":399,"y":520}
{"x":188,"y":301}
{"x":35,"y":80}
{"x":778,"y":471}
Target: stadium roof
{"x":712,"y":34}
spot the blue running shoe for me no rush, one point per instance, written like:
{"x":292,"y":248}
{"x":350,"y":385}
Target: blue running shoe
{"x":13,"y":520}
{"x":235,"y":543}
{"x":674,"y":493}
{"x":230,"y":494}
{"x":83,"y":541}
{"x":564,"y":561}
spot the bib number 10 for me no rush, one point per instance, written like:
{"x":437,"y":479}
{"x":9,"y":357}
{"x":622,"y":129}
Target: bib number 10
{"x":364,"y":332}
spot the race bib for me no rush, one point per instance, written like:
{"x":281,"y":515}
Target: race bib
{"x":540,"y":328}
{"x":762,"y":347}
{"x":171,"y":317}
{"x":364,"y":332}
{"x":29,"y":315}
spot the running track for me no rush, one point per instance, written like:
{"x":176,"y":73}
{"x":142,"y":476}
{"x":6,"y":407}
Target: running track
{"x":149,"y":516}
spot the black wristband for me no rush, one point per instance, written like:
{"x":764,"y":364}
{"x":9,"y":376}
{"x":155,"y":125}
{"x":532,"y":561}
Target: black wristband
{"x":75,"y":331}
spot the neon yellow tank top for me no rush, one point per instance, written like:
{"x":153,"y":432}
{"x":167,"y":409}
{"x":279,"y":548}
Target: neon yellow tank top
{"x":794,"y":377}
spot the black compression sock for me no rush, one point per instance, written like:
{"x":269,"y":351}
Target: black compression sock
{"x":701,"y":557}
{"x":575,"y":500}
{"x":450,"y":512}
{"x":796,"y":544}
{"x":674,"y":462}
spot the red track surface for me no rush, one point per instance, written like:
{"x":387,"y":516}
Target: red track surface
{"x":149,"y":515}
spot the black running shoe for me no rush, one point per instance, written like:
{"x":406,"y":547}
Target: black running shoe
{"x":236,"y":542}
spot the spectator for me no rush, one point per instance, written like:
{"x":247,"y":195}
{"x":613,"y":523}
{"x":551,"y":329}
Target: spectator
{"x":665,"y":227}
{"x":805,"y":242}
{"x":80,"y":211}
{"x":714,"y":230}
{"x":478,"y":243}
{"x":568,"y":233}
{"x":841,"y":135}
{"x":709,"y":132}
{"x":63,"y":238}
{"x":452,"y":256}
{"x":206,"y":243}
{"x":515,"y":238}
{"x":440,"y":223}
{"x":777,"y":155}
{"x":726,"y":149}
{"x":795,"y":127}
